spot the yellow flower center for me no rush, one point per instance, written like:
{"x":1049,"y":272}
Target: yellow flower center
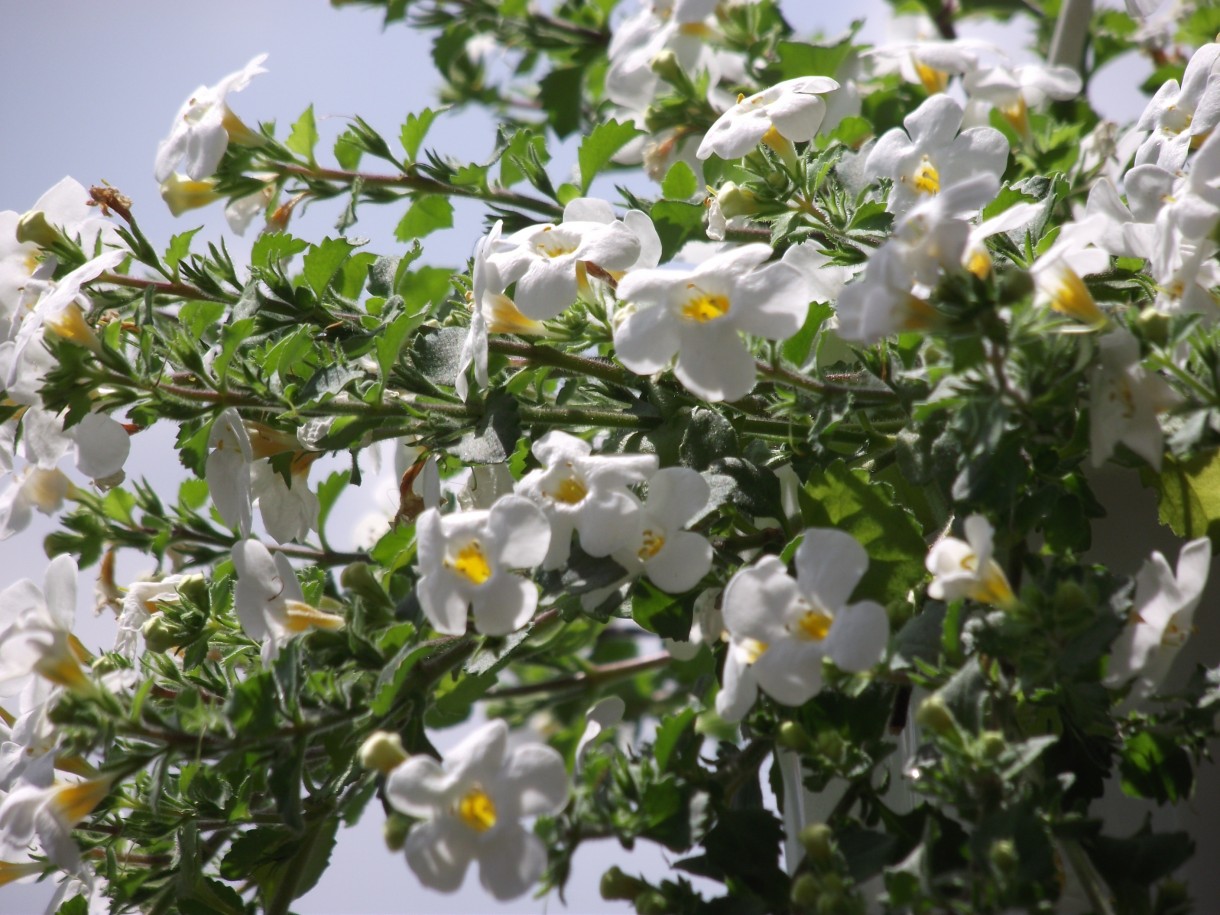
{"x":651,"y":543}
{"x":933,"y":80}
{"x":553,"y":245}
{"x":979,"y":263}
{"x":301,"y":617}
{"x":1017,"y":114}
{"x":704,"y":306}
{"x":1071,"y":297}
{"x":814,"y":625}
{"x":570,"y":491}
{"x":471,"y":563}
{"x":477,"y":810}
{"x":926,"y":179}
{"x":70,"y":324}
{"x":752,"y":649}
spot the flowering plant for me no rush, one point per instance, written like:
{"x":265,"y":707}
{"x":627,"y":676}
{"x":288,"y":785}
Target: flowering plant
{"x":758,"y":502}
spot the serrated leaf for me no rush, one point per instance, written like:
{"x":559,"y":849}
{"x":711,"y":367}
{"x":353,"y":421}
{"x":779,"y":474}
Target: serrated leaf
{"x":599,"y":147}
{"x":179,"y":247}
{"x":348,"y":149}
{"x":304,"y":135}
{"x":1189,"y":495}
{"x":680,"y":182}
{"x":560,"y":94}
{"x":415,"y":129}
{"x":426,"y":215}
{"x":272,"y":247}
{"x":322,"y":262}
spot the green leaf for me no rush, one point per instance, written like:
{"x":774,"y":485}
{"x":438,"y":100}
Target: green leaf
{"x":415,"y":129}
{"x":1156,"y":767}
{"x":304,"y":135}
{"x":394,"y":675}
{"x":251,"y":707}
{"x":322,"y":262}
{"x":796,"y":348}
{"x":666,"y":615}
{"x":427,"y":215}
{"x":560,"y":94}
{"x":495,"y":435}
{"x":798,"y":58}
{"x":1189,"y":495}
{"x":680,"y":182}
{"x":599,"y":146}
{"x":179,"y":247}
{"x":669,"y":732}
{"x":348,"y":149}
{"x":273,"y":247}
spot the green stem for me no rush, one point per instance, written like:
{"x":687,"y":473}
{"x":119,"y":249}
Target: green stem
{"x":584,"y":681}
{"x":178,"y":290}
{"x":602,"y":369}
{"x":788,"y":377}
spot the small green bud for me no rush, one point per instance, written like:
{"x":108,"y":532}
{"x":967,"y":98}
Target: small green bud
{"x":933,"y":715}
{"x":382,"y":751}
{"x":618,"y":885}
{"x":33,"y":229}
{"x":160,"y":634}
{"x":1003,"y":856}
{"x":1153,"y":325}
{"x":831,"y":745}
{"x":652,"y":902}
{"x":818,"y":842}
{"x":792,"y":736}
{"x":805,"y":892}
{"x":395,"y":830}
{"x":194,"y":589}
{"x":991,"y":744}
{"x":667,"y":66}
{"x":735,"y":200}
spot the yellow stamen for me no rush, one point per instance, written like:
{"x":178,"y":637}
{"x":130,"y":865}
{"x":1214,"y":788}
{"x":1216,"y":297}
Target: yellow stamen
{"x":651,"y":544}
{"x":814,"y":625}
{"x":933,"y":80}
{"x":301,"y":617}
{"x":570,"y":491}
{"x":926,"y":179}
{"x":704,"y":306}
{"x":553,"y":245}
{"x":753,"y":649}
{"x":471,"y":564}
{"x":477,"y":810}
{"x":979,"y":263}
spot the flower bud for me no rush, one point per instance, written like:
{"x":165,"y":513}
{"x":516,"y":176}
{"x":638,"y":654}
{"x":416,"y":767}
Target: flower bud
{"x":934,"y":715}
{"x":667,"y":66}
{"x":735,"y":200}
{"x":383,"y":751}
{"x":395,"y":830}
{"x":160,"y":634}
{"x":991,"y":744}
{"x":1154,"y":325}
{"x":804,"y":892}
{"x":818,"y":841}
{"x":1003,"y":857}
{"x":617,"y":885}
{"x":793,"y":737}
{"x":33,"y":229}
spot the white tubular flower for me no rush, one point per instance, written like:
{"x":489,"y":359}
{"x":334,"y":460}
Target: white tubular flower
{"x":471,"y":806}
{"x":780,"y":628}
{"x":1161,"y":618}
{"x":586,"y":493}
{"x":182,"y":194}
{"x":32,"y":814}
{"x":1124,"y":402}
{"x":61,"y":310}
{"x":930,"y":155}
{"x":788,"y":112}
{"x":921,"y":56}
{"x":268,"y":599}
{"x":1181,"y":116}
{"x":883,"y":301}
{"x":965,"y":569}
{"x":661,"y":28}
{"x":228,"y":469}
{"x":485,"y":279}
{"x":204,"y":126}
{"x":140,"y":602}
{"x":1014,"y":90}
{"x":464,"y":561}
{"x":1058,"y":273}
{"x":673,"y":559}
{"x":36,"y":631}
{"x":33,"y":488}
{"x":700,"y":314}
{"x":547,"y":261}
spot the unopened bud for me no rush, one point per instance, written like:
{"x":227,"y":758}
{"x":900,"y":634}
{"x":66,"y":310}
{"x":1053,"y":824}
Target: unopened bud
{"x":735,"y":200}
{"x":652,"y":902}
{"x":667,"y":66}
{"x":617,"y":885}
{"x":383,"y":751}
{"x":1154,"y":325}
{"x":160,"y":634}
{"x":793,"y":737}
{"x":992,"y":744}
{"x":831,"y":745}
{"x":1003,"y":856}
{"x":818,"y":841}
{"x":395,"y":831}
{"x":33,"y":229}
{"x":804,"y":892}
{"x":933,"y":715}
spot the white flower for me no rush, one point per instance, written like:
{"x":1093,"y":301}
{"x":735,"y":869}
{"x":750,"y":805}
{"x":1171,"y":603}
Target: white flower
{"x":1178,"y":115}
{"x":1014,"y":90}
{"x":464,"y":561}
{"x":965,"y":569}
{"x":920,"y":56}
{"x":61,"y":310}
{"x":140,"y":602}
{"x":699,"y":315}
{"x":32,"y":488}
{"x":883,"y":301}
{"x":204,"y":126}
{"x":547,"y":262}
{"x":227,"y":470}
{"x":934,"y":156}
{"x":675,"y":560}
{"x":1058,"y":273}
{"x":790,"y":112}
{"x":268,"y":599}
{"x":471,"y":806}
{"x":582,"y":492}
{"x":1161,"y":617}
{"x":662,"y":28}
{"x":1124,"y":402}
{"x":36,"y":631}
{"x":781,"y":628}
{"x":32,"y":814}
